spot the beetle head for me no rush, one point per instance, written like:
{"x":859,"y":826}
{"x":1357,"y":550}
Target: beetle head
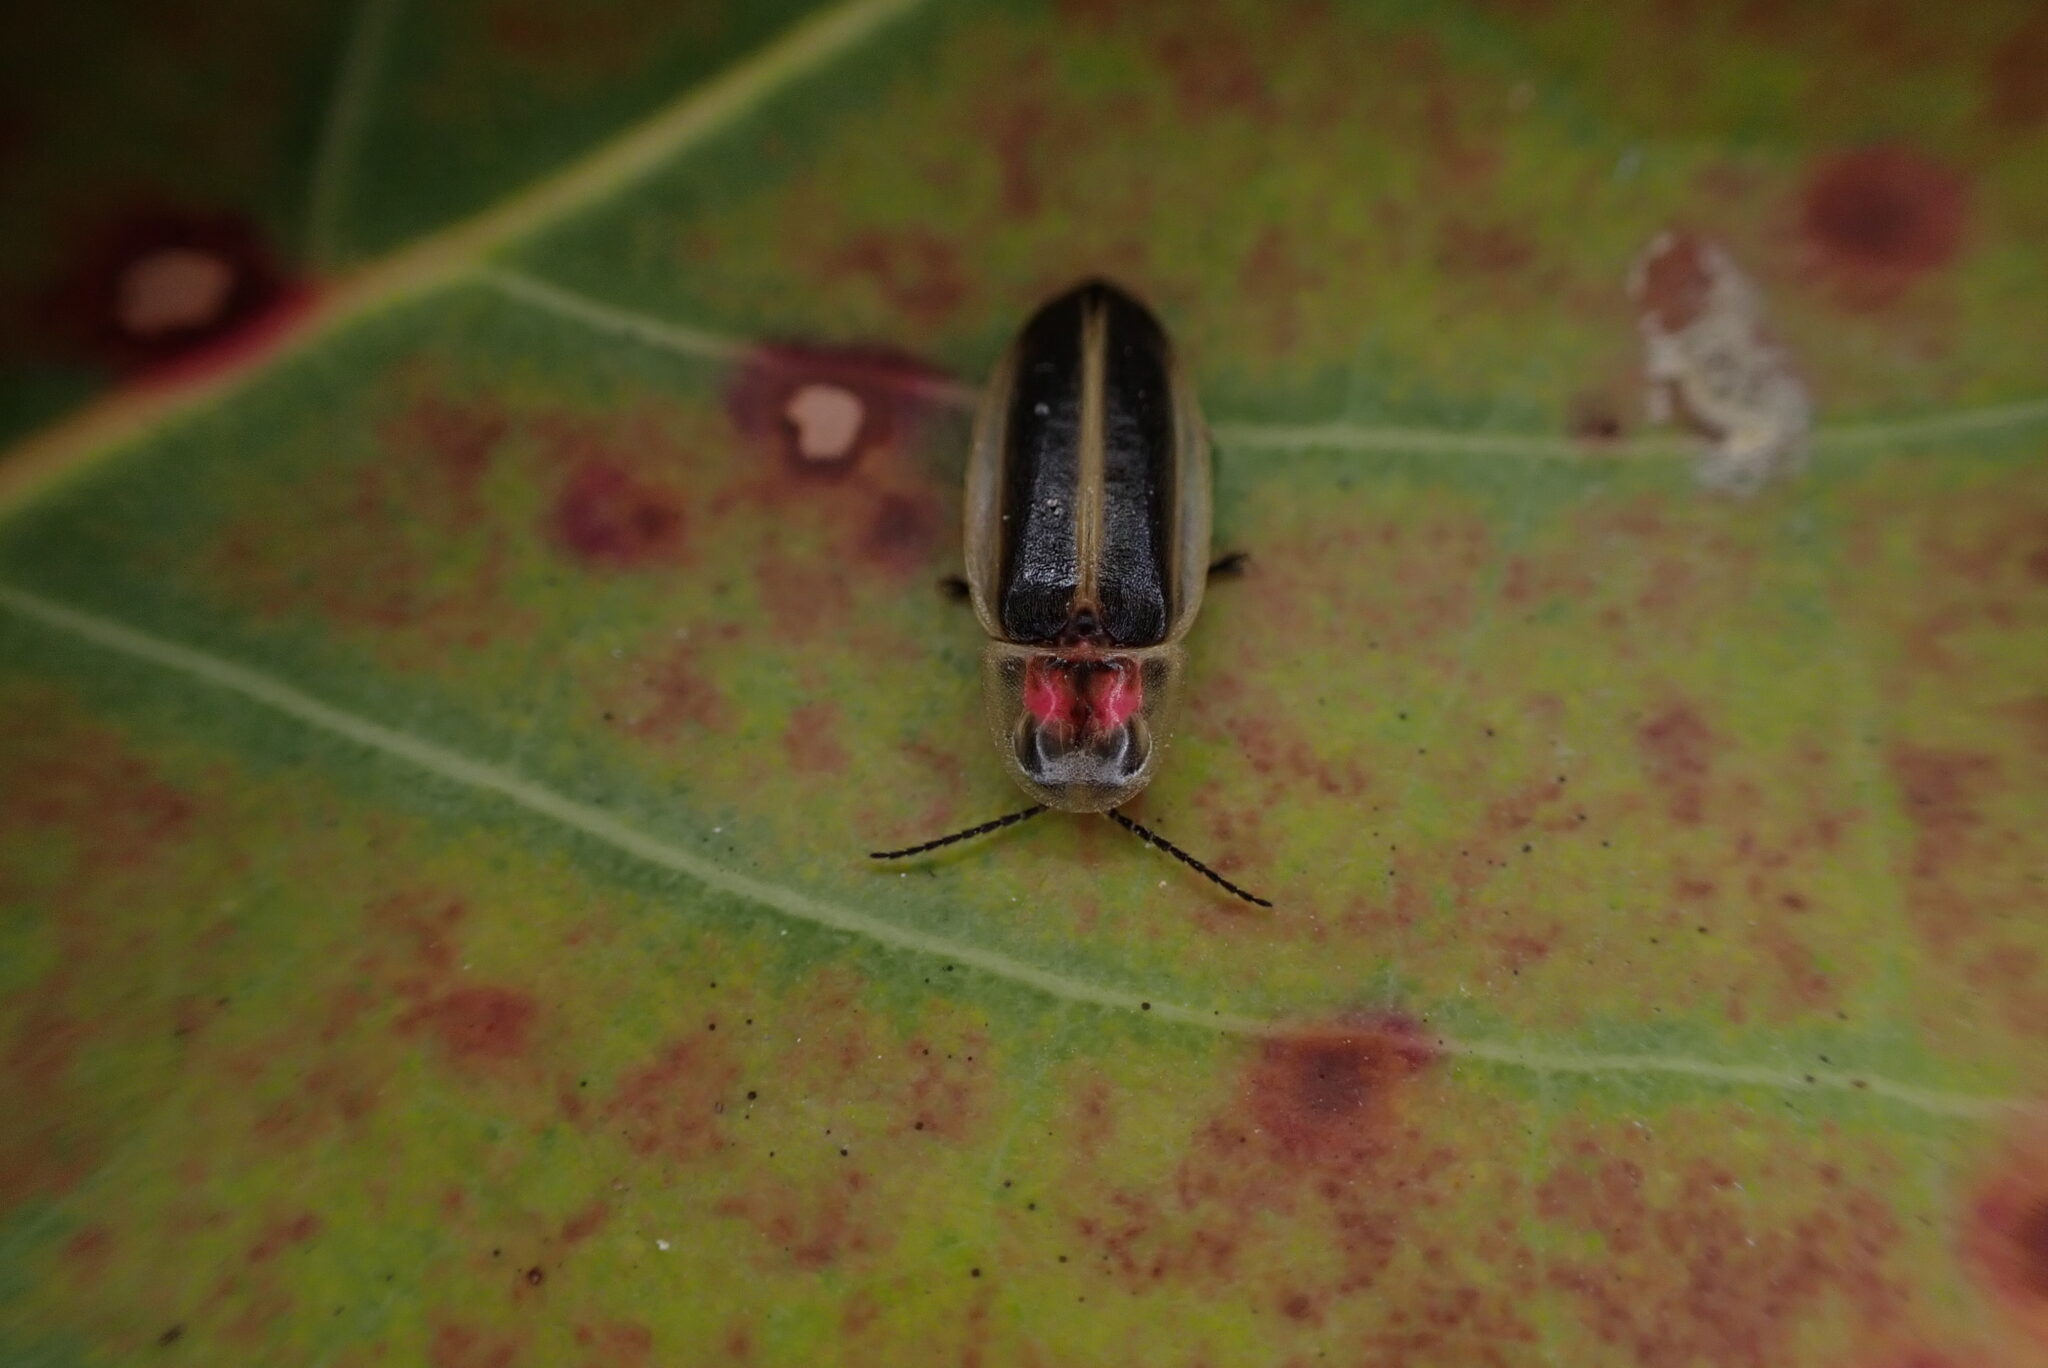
{"x":1080,"y":729}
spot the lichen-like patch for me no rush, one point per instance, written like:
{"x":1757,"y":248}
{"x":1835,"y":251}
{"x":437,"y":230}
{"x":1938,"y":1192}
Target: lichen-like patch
{"x":1712,"y":361}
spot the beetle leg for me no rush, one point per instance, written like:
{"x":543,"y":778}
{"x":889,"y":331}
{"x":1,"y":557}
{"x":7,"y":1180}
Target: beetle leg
{"x":1232,"y":564}
{"x":955,"y":588}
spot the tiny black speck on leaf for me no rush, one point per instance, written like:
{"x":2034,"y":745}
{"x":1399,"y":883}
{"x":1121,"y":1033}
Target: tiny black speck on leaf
{"x":535,"y":1277}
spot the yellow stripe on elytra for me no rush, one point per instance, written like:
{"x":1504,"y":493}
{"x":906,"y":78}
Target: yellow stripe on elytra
{"x":1089,"y":482}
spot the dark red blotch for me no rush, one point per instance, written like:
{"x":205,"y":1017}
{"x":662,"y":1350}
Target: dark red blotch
{"x":477,"y":1025}
{"x":83,"y":312}
{"x":1318,"y":1096}
{"x":607,"y":516}
{"x":1679,"y":749}
{"x":2005,"y":1233}
{"x":1881,"y":217}
{"x":890,"y":386}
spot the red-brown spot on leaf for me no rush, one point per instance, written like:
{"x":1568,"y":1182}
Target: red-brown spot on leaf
{"x":88,"y":1252}
{"x":468,"y":1346}
{"x":420,"y":923}
{"x":2004,"y":1234}
{"x":1017,"y":135}
{"x":918,"y":273}
{"x":38,"y":1154}
{"x":1299,"y":1306}
{"x":155,"y":288}
{"x":815,"y":1226}
{"x":947,"y":1094}
{"x":1880,"y":218}
{"x":1686,"y":1273}
{"x":669,"y":695}
{"x":2018,"y":96}
{"x":1595,"y":416}
{"x":111,"y":802}
{"x":1315,"y":1097}
{"x":1321,"y":1161}
{"x":1277,"y":275}
{"x":802,"y":597}
{"x":671,"y":1107}
{"x":903,"y":531}
{"x":328,"y":1096}
{"x":615,"y":1344}
{"x":811,"y":740}
{"x":1487,"y":250}
{"x":459,"y":439}
{"x":606,"y":516}
{"x":1213,"y":67}
{"x":1943,"y":792}
{"x":282,"y":1234}
{"x":1678,"y":751}
{"x":585,"y":1223}
{"x":477,"y":1025}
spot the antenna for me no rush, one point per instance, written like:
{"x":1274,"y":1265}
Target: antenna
{"x":986,"y":827}
{"x":1153,"y":838}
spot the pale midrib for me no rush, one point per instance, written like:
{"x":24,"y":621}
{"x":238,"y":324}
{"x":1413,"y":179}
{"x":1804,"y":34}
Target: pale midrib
{"x":704,"y":344}
{"x":453,"y":767}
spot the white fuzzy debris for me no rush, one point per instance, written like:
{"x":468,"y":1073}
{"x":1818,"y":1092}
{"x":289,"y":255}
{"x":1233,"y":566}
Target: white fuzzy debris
{"x":1711,"y":361}
{"x":172,"y":288}
{"x":827,"y":421}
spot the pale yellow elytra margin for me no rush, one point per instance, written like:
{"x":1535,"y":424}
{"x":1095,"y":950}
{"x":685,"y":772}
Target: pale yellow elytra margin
{"x":454,"y":252}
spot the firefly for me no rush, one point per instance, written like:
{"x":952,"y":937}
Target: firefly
{"x":1087,"y":536}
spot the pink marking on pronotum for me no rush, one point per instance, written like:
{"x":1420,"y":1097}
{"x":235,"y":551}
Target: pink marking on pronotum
{"x":1090,"y":695}
{"x":1115,"y":693}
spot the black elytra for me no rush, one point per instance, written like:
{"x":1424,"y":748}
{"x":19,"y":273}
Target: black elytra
{"x":1052,"y":588}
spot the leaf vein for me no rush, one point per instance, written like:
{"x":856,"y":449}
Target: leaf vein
{"x":451,"y":766}
{"x":654,"y":331}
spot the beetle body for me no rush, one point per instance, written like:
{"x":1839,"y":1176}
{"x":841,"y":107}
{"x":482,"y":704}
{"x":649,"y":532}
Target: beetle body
{"x":1087,"y":533}
{"x":1087,"y":554}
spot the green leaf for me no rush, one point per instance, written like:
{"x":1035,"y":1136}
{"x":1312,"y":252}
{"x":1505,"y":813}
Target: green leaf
{"x":450,"y":711}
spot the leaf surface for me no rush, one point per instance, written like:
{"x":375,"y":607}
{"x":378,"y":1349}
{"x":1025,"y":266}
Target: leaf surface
{"x":449,"y":718}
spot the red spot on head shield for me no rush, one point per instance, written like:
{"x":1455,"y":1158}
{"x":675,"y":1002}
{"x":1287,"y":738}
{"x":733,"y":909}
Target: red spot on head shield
{"x":1088,"y":696}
